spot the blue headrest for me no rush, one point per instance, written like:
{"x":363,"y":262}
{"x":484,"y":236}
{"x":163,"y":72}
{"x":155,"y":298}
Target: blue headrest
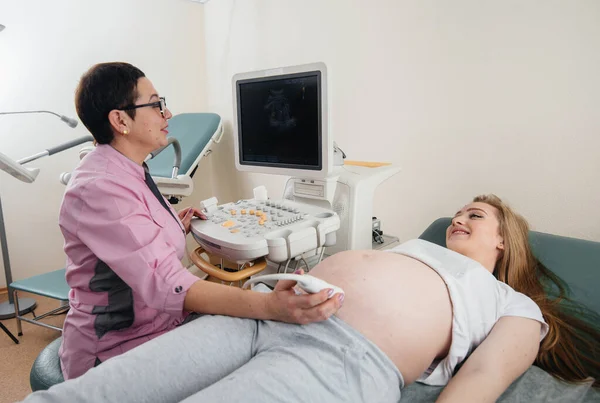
{"x":193,"y":131}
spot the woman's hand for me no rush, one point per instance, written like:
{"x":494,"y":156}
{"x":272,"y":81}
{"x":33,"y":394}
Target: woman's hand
{"x":186,"y":216}
{"x":286,"y":306}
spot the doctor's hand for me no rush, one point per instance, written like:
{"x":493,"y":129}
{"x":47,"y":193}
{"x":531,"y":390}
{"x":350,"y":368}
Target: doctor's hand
{"x":186,"y":216}
{"x":286,"y":306}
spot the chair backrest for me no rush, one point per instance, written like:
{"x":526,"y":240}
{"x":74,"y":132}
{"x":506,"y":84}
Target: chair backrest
{"x":576,"y":261}
{"x":194,"y":132}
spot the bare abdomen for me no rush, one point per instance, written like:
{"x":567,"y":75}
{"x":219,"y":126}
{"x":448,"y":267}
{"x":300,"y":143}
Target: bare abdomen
{"x":397,"y":302}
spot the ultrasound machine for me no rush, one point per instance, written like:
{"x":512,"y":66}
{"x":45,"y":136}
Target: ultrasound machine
{"x":281,"y":126}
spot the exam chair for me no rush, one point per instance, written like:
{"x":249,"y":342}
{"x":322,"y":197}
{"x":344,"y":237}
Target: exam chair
{"x":575,"y":261}
{"x":191,"y":137}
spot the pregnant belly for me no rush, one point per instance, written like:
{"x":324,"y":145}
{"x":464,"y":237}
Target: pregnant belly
{"x":397,"y":302}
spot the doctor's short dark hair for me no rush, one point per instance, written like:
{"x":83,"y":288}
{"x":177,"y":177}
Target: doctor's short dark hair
{"x":104,"y":87}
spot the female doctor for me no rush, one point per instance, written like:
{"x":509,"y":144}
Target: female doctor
{"x":124,"y":242}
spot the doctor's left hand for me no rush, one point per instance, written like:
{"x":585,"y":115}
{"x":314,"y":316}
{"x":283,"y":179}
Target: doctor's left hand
{"x":287,"y":306}
{"x":186,"y":216}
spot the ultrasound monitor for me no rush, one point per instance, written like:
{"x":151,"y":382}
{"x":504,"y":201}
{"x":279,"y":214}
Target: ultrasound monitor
{"x":281,"y":121}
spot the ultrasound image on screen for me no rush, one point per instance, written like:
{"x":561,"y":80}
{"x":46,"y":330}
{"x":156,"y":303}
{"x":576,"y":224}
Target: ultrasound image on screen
{"x":279,"y":122}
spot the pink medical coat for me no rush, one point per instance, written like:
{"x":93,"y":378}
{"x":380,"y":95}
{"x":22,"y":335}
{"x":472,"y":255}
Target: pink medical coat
{"x":124,"y":252}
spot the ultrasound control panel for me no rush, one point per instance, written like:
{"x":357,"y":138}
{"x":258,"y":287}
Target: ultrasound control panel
{"x":278,"y":229}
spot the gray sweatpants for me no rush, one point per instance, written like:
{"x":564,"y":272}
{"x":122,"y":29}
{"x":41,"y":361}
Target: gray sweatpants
{"x":225,"y":359}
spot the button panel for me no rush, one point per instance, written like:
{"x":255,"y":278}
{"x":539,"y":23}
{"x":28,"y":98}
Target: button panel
{"x":248,"y":218}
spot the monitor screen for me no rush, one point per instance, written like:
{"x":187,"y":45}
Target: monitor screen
{"x":279,"y":121}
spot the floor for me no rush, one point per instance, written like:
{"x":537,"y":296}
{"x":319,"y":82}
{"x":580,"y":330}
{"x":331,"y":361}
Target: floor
{"x":16,"y":359}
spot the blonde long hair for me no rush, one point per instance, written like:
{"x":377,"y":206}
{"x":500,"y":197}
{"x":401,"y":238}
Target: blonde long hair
{"x":571,"y":349}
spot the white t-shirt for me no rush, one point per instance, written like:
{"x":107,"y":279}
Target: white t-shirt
{"x":478,"y":301}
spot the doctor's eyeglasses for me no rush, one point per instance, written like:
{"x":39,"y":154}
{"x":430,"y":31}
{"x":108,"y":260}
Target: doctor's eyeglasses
{"x":161,"y":103}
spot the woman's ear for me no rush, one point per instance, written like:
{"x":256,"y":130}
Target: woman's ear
{"x":118,"y":121}
{"x":500,"y":245}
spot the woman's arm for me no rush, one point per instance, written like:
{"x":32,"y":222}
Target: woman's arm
{"x":507,"y":352}
{"x":282,"y":304}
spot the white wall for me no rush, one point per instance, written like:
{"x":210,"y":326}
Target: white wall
{"x":44,"y":50}
{"x":467,"y":96}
